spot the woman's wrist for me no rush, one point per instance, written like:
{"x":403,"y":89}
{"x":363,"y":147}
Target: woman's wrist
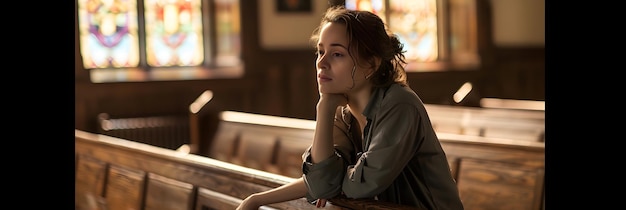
{"x":326,"y":108}
{"x":326,"y":111}
{"x":250,"y":203}
{"x":254,"y":200}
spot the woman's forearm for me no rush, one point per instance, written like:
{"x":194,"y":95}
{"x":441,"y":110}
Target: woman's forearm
{"x":287,"y":192}
{"x":322,"y":147}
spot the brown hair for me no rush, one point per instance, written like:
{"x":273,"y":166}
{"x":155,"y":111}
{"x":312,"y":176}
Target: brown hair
{"x":368,"y":37}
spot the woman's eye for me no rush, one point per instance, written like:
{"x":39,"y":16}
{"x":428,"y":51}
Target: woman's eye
{"x":320,"y":53}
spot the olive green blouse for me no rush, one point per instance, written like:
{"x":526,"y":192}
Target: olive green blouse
{"x":398,"y":159}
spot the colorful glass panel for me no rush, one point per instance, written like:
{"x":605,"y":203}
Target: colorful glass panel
{"x":415,"y":23}
{"x":108,"y":33}
{"x":375,"y":6}
{"x":228,"y":27}
{"x":173,"y":33}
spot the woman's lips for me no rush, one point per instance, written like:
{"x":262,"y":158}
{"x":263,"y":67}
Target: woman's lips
{"x":322,"y":78}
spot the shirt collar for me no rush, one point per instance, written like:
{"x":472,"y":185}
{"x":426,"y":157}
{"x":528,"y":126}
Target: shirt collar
{"x":375,"y":101}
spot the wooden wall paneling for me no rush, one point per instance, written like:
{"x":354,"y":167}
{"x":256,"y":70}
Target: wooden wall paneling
{"x":157,"y":98}
{"x":517,"y":73}
{"x":269,"y":96}
{"x":144,"y":100}
{"x":302,"y":92}
{"x":125,"y":188}
{"x":438,"y":87}
{"x":236,"y":95}
{"x":80,"y":110}
{"x":167,"y":194}
{"x":86,"y":115}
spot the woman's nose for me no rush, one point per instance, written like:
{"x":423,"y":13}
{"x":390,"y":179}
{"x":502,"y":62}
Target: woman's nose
{"x":321,"y":61}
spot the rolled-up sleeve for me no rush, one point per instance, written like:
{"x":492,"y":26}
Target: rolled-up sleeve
{"x":323,"y":179}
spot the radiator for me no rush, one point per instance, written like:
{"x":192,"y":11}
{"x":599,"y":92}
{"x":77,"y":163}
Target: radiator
{"x":162,"y":131}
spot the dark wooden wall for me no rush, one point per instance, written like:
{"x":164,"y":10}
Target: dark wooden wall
{"x":282,"y":82}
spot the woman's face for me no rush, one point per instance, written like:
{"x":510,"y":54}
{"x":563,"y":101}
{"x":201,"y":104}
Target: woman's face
{"x":334,"y":64}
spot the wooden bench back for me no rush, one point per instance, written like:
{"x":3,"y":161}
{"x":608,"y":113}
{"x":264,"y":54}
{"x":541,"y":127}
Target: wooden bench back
{"x":526,"y":125}
{"x":263,"y":142}
{"x":113,"y":173}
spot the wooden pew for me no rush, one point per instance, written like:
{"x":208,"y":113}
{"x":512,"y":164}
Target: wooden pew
{"x":262,"y":142}
{"x":492,"y":173}
{"x":113,"y":173}
{"x":517,"y":124}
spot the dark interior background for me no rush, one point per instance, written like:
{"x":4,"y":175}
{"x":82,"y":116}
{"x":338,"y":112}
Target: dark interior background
{"x":282,"y":82}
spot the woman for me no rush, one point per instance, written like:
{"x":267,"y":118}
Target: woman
{"x":373,"y":137}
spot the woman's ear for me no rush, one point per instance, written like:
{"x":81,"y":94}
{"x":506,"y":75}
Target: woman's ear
{"x":374,"y":68}
{"x":377,"y":61}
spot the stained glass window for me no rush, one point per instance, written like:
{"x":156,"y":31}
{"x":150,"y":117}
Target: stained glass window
{"x":108,"y":33}
{"x":415,"y":23}
{"x":228,"y":32}
{"x":149,"y":40}
{"x":375,"y":6}
{"x":421,"y":27}
{"x":173,"y":32}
